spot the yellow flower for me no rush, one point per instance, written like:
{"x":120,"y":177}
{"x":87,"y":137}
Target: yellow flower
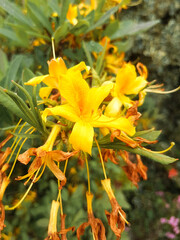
{"x":57,"y":68}
{"x":82,"y":108}
{"x":127,"y":83}
{"x":72,"y":14}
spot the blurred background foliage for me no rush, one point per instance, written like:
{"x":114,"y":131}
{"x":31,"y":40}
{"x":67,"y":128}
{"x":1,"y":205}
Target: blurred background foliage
{"x":26,"y":28}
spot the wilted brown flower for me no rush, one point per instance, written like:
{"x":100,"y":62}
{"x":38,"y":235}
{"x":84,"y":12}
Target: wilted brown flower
{"x":96,"y":224}
{"x":44,"y":158}
{"x":64,"y":230}
{"x":109,"y":154}
{"x":117,"y":217}
{"x":134,"y":170}
{"x":4,"y":181}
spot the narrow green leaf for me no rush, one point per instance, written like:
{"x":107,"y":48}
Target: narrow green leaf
{"x":129,"y":27}
{"x":80,"y":27}
{"x":150,"y":134}
{"x":39,"y":15}
{"x":64,"y":9}
{"x":35,"y":34}
{"x":103,"y":19}
{"x":23,"y":135}
{"x":13,"y":69}
{"x":15,"y":11}
{"x":7,"y":102}
{"x":3,"y":65}
{"x":88,"y":54}
{"x":100,"y":61}
{"x":124,"y":46}
{"x":9,"y":34}
{"x":61,"y":32}
{"x":54,"y":5}
{"x":157,"y":157}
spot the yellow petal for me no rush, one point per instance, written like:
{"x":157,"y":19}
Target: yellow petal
{"x":44,"y":92}
{"x":51,"y":81}
{"x":36,"y":80}
{"x":74,"y":89}
{"x":113,"y":109}
{"x":81,"y":137}
{"x":95,"y":98}
{"x":72,"y":13}
{"x":79,"y":67}
{"x":120,"y":123}
{"x":57,"y":67}
{"x":137,"y":85}
{"x":65,"y":111}
{"x":126,"y":75}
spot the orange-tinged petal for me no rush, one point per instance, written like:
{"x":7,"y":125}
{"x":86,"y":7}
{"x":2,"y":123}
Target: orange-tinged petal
{"x":72,"y":14}
{"x":95,"y":98}
{"x":81,"y":137}
{"x":56,"y":171}
{"x":74,"y":89}
{"x":44,"y":92}
{"x":65,"y":111}
{"x":121,"y":123}
{"x":57,"y":67}
{"x":36,"y":80}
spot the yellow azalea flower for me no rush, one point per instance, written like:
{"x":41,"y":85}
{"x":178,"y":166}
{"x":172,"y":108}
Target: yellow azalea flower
{"x":82,"y":108}
{"x":57,"y":68}
{"x":127,"y":83}
{"x":72,"y":14}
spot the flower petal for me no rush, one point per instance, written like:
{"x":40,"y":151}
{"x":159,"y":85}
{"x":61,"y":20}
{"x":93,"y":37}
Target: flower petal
{"x":65,"y":111}
{"x":95,"y":98}
{"x":74,"y":89}
{"x":44,"y":92}
{"x":121,"y":123}
{"x":56,"y":171}
{"x":57,"y":67}
{"x":81,"y":137}
{"x":36,"y":80}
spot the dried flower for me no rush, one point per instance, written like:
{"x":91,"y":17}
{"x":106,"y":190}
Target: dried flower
{"x":96,"y":224}
{"x":117,"y":218}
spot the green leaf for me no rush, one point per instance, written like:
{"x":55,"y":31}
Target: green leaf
{"x":10,"y":34}
{"x":13,"y":69}
{"x":64,"y":9}
{"x":7,"y":102}
{"x":157,"y":157}
{"x":15,"y":11}
{"x":61,"y":32}
{"x":100,"y":61}
{"x":111,"y":28}
{"x":88,"y":54}
{"x":35,"y":34}
{"x":93,"y":46}
{"x":129,"y":27}
{"x":54,"y":5}
{"x":150,"y":134}
{"x":80,"y":27}
{"x":124,"y":46}
{"x":23,"y":135}
{"x":122,"y":199}
{"x":103,"y":19}
{"x":39,"y":15}
{"x":3,"y":65}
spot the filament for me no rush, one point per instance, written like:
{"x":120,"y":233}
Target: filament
{"x":163,"y":92}
{"x":14,"y":163}
{"x":163,"y":151}
{"x":123,"y":218}
{"x":24,"y":196}
{"x":53,"y":48}
{"x":101,"y":158}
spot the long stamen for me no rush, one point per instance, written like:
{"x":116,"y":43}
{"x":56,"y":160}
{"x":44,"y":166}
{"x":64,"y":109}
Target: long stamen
{"x":162,"y":92}
{"x":26,"y":193}
{"x":123,"y":218}
{"x":163,"y":151}
{"x":14,"y":163}
{"x":15,"y":143}
{"x":101,"y":158}
{"x":17,"y":125}
{"x":53,"y":48}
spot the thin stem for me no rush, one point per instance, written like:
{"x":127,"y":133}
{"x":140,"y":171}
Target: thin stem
{"x":59,"y":198}
{"x":101,"y":158}
{"x":88,"y":176}
{"x":26,"y":193}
